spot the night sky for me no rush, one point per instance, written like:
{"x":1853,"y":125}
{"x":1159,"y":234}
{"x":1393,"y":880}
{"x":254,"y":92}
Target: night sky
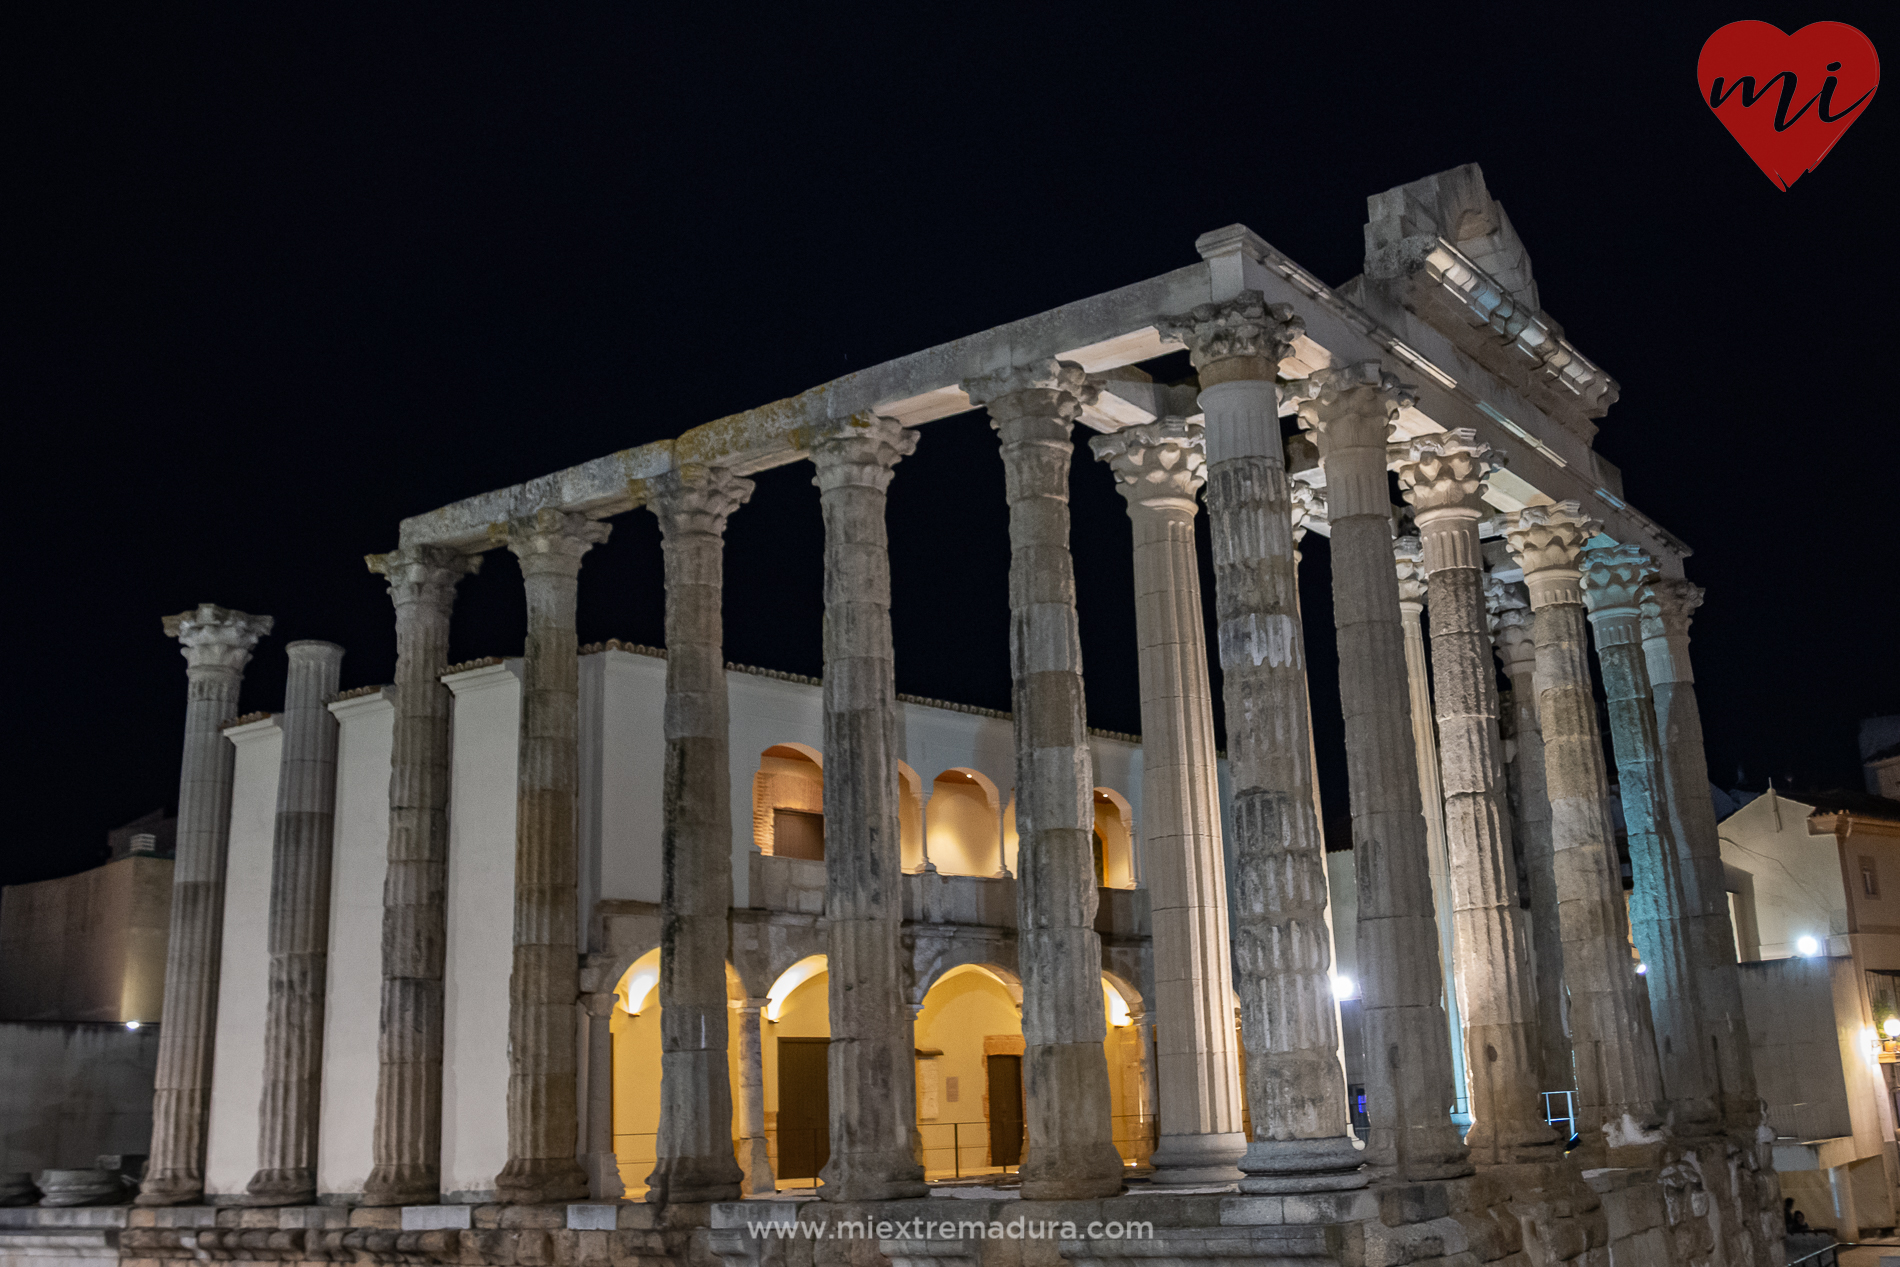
{"x":284,"y":274}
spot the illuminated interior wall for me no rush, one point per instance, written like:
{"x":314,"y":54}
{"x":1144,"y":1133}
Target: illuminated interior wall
{"x":910,"y":819}
{"x":1112,"y":823}
{"x":787,"y":779}
{"x":805,"y":1012}
{"x":963,"y":827}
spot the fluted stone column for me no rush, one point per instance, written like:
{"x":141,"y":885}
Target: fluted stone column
{"x":407,"y":1145}
{"x":694,"y":1149}
{"x":1667,"y":605}
{"x":545,"y":982}
{"x":1613,"y":582}
{"x":1408,"y":558}
{"x":1619,"y":1087}
{"x":217,"y":644}
{"x":871,"y":1064}
{"x":1159,"y":467}
{"x":1510,"y":608}
{"x":1283,"y":947}
{"x":755,"y":1152}
{"x":1066,"y":1092}
{"x":299,"y":931}
{"x":600,"y":1163}
{"x":1443,"y":478}
{"x":1408,"y":1052}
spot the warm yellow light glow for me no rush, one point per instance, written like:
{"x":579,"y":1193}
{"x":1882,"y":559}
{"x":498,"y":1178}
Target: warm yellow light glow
{"x":793,"y":977}
{"x":642,"y":979}
{"x":1892,"y":1027}
{"x":1118,"y":1014}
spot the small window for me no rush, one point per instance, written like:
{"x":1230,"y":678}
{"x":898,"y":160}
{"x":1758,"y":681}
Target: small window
{"x":797,"y":834}
{"x":1869,"y":877}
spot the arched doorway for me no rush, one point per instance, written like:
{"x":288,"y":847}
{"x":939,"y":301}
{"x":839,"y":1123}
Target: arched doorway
{"x":793,"y":1051}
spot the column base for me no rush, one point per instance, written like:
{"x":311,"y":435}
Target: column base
{"x":540,"y":1181}
{"x":1303,"y":1165}
{"x":603,"y":1177}
{"x":872,"y":1178}
{"x":1207,"y":1158}
{"x":403,"y":1183}
{"x":171,"y":1187}
{"x":756,"y":1161}
{"x":297,"y":1186}
{"x":694,"y":1180}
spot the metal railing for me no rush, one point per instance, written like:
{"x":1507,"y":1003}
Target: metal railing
{"x":952,"y":1150}
{"x":1560,"y":1110}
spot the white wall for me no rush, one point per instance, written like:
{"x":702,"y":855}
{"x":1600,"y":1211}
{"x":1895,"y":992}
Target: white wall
{"x":237,"y":1071}
{"x":354,"y":983}
{"x":481,"y":906}
{"x":623,"y":768}
{"x":1798,"y":888}
{"x":764,"y":711}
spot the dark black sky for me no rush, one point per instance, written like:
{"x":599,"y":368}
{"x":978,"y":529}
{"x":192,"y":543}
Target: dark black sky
{"x":283,"y":274}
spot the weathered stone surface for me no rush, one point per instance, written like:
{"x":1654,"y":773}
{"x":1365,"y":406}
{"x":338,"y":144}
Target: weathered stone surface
{"x":545,"y":981}
{"x":870,"y":1069}
{"x":1159,"y":468}
{"x":408,"y":1136}
{"x":217,"y":644}
{"x":1065,"y":1073}
{"x":755,"y":1157}
{"x":1510,"y":610}
{"x":1409,"y":1082}
{"x":1443,"y":478}
{"x":1613,"y":582}
{"x":1666,"y":608}
{"x":694,"y":1149}
{"x":1282,"y":953}
{"x":1619,"y":1087}
{"x":299,"y":931}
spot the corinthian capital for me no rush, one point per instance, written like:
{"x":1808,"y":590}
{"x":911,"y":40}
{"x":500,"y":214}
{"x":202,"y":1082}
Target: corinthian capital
{"x":1061,"y":385}
{"x":1246,"y":330}
{"x":1408,"y":556}
{"x":1308,"y":505}
{"x":1614,"y":577}
{"x":1156,"y":464}
{"x":424,"y":574}
{"x":550,"y":540}
{"x":1668,"y":604}
{"x":694,"y":500}
{"x":1444,"y":474}
{"x":1350,"y":405}
{"x":860,"y":450}
{"x":1549,"y":538}
{"x":214,"y":637}
{"x":1505,"y":604}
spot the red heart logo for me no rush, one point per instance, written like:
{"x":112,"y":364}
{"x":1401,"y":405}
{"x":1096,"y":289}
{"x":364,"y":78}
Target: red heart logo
{"x":1787,"y":98}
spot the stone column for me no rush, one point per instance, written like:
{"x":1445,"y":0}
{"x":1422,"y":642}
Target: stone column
{"x":216,"y":643}
{"x":1666,"y":609}
{"x":299,"y":931}
{"x":1408,"y":1052}
{"x":755,"y":1152}
{"x":694,"y":1149}
{"x":1443,"y":478}
{"x":1408,"y":558}
{"x":1159,"y":467}
{"x":1619,"y":1087}
{"x":1065,"y":1071}
{"x":408,"y":1135}
{"x":1613,"y":582}
{"x":1510,"y":607}
{"x":1283,"y":946}
{"x":545,"y":982}
{"x":871,"y":1067}
{"x":600,"y":1163}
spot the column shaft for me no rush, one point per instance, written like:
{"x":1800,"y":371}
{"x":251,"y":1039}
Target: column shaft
{"x":755,"y":1153}
{"x":695,"y":1138}
{"x":545,"y":982}
{"x":1613,"y":580}
{"x":1283,"y":948}
{"x":408,"y":1135}
{"x":1071,"y":1131}
{"x":217,"y":645}
{"x":1666,"y":608}
{"x":1530,"y":813}
{"x":1619,"y":1087}
{"x":600,"y":1163}
{"x":1159,"y":468}
{"x":299,"y":931}
{"x":1408,"y":1053}
{"x":871,"y":1066}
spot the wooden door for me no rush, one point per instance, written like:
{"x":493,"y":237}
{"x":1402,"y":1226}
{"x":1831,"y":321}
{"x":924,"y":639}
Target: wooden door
{"x":804,"y":1107}
{"x":1006,"y":1110}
